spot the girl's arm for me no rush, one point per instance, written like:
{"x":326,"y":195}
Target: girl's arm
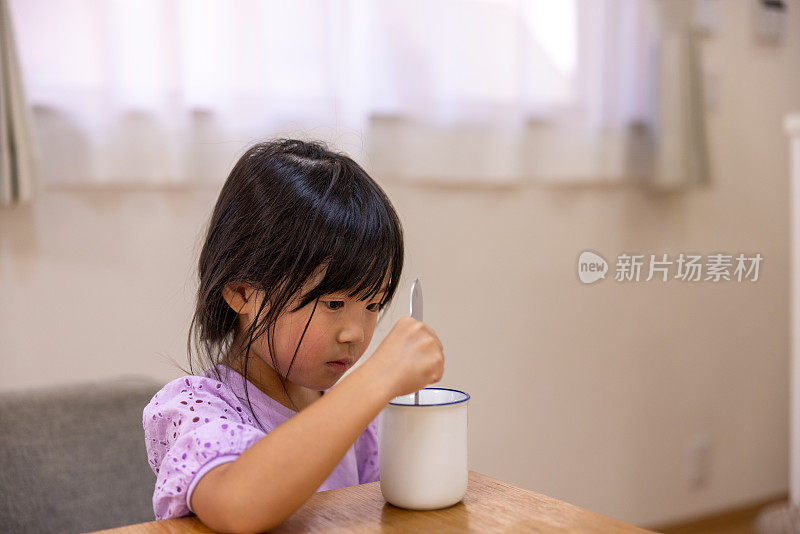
{"x":279,"y":473}
{"x":273,"y":478}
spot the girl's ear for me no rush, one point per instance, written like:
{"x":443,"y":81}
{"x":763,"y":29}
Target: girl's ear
{"x":240,"y":297}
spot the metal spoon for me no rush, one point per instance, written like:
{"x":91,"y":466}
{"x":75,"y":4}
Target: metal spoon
{"x":416,"y":312}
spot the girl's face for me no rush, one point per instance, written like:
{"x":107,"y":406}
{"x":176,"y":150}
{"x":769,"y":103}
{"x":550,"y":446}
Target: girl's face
{"x":340,"y":329}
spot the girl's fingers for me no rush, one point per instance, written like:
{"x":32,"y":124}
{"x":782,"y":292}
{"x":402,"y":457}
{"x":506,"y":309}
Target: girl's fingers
{"x":438,"y":341}
{"x":433,"y":334}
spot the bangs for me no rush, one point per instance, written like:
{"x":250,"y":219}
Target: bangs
{"x":361,"y":243}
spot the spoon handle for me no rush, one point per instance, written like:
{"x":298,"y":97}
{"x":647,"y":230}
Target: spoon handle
{"x":416,"y":312}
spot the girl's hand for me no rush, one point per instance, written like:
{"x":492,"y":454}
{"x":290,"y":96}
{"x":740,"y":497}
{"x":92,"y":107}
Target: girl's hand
{"x":409,"y":358}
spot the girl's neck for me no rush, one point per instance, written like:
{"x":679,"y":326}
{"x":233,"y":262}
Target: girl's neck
{"x":264,"y":377}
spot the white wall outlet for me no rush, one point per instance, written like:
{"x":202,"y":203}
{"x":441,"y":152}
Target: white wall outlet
{"x":697,"y":461}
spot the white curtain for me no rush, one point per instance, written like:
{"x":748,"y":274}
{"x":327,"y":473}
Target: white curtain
{"x":172,"y":91}
{"x":681,"y":153}
{"x":17,"y":171}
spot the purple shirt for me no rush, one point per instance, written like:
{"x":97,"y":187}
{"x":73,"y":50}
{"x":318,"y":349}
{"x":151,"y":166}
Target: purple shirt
{"x":196,"y":423}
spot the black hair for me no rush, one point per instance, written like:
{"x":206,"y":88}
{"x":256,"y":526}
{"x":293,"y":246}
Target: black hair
{"x":288,"y":208}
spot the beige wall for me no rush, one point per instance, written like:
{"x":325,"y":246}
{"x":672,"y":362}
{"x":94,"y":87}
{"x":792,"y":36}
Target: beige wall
{"x":586,"y":393}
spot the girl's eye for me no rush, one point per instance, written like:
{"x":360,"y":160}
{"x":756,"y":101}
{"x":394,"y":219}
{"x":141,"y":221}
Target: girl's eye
{"x":338,"y":304}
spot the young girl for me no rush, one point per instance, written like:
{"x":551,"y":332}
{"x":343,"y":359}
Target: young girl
{"x":303,"y":250}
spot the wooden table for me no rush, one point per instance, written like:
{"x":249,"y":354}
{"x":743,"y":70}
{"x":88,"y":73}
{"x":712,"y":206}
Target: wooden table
{"x":490,"y":505}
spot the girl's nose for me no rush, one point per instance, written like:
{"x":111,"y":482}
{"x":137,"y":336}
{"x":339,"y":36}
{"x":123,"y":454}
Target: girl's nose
{"x":353,"y":330}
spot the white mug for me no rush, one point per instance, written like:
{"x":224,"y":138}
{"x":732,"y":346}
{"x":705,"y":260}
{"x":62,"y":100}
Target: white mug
{"x":423,"y":449}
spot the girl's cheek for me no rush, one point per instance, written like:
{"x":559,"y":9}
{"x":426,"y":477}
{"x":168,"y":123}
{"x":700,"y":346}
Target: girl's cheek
{"x":315,"y":339}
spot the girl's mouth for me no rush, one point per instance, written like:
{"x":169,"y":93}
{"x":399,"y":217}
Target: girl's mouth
{"x":340,"y":366}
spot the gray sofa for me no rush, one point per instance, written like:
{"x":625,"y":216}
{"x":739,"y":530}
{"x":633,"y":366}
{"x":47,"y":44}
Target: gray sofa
{"x":73,"y":457}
